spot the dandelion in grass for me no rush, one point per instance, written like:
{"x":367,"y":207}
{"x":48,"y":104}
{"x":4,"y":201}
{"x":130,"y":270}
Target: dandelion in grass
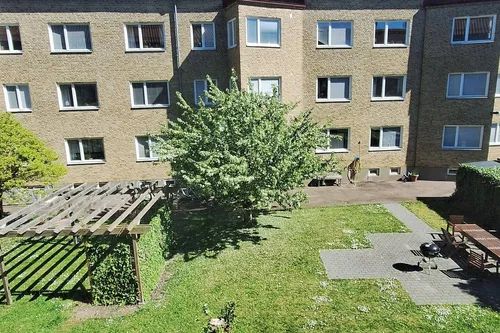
{"x":363,"y":308}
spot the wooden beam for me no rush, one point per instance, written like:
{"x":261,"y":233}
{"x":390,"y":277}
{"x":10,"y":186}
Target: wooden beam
{"x":137,"y":220}
{"x":5,"y":280}
{"x":135,"y":261}
{"x":128,"y":211}
{"x":109,"y":214}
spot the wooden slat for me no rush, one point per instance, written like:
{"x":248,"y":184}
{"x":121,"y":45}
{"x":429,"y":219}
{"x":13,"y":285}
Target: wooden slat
{"x":143,"y":212}
{"x":129,"y":210}
{"x":109,"y":214}
{"x":25,"y":218}
{"x":103,"y":230}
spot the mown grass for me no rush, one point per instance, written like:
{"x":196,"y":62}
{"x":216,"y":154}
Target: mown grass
{"x":274,"y":274}
{"x":429,"y":213}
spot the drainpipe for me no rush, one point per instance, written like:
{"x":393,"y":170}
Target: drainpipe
{"x":177,"y":47}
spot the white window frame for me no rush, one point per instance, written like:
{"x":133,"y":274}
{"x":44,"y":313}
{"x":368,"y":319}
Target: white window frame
{"x":330,"y":45}
{"x":144,"y":90}
{"x":263,"y":78}
{"x":259,"y":19}
{"x":203,"y":47}
{"x":73,"y":95}
{"x":333,"y":100}
{"x":231,"y":43}
{"x":82,"y":154}
{"x":205,"y":98}
{"x":376,"y":172}
{"x":144,"y":159}
{"x":496,"y":141}
{"x":396,"y":172}
{"x":336,"y":150}
{"x":497,"y":88}
{"x":381,"y":139}
{"x":462,"y":78}
{"x":9,"y":40}
{"x":452,"y":171}
{"x":386,"y":34}
{"x":455,"y":147}
{"x":467,"y":27}
{"x":141,"y":42}
{"x":51,"y":39}
{"x":392,"y":98}
{"x":18,"y":96}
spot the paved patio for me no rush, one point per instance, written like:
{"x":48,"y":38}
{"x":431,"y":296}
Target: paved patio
{"x":377,"y":192}
{"x":449,"y":284}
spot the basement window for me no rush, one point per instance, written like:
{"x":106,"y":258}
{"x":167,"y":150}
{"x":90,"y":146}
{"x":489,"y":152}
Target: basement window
{"x":374,"y":172}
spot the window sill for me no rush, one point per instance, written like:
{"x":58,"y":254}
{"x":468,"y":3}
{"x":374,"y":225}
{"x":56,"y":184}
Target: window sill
{"x":231,"y":47}
{"x":372,"y":149}
{"x":333,"y":100}
{"x":143,"y":50}
{"x":275,"y":46}
{"x":203,"y":48}
{"x":139,"y":107}
{"x":79,"y":109}
{"x":330,"y":151}
{"x":142,"y":160}
{"x":387,"y":99}
{"x":390,"y":46}
{"x":473,"y":42}
{"x":465,"y":97}
{"x":494,"y":144}
{"x":20,"y":111}
{"x":334,"y":47}
{"x":11,"y":52}
{"x":70,"y":51}
{"x":461,"y":149}
{"x":86,"y":162}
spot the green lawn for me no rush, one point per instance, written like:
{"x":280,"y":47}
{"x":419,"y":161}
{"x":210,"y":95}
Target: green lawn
{"x":274,"y":274}
{"x":426,"y":214}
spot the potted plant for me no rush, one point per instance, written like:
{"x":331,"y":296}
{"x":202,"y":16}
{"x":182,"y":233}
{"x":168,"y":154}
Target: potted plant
{"x":413,"y":175}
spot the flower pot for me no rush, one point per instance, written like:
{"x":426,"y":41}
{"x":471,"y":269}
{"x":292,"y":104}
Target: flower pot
{"x":413,"y":178}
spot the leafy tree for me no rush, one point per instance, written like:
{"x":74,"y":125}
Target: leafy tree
{"x":243,"y":151}
{"x":24,"y":158}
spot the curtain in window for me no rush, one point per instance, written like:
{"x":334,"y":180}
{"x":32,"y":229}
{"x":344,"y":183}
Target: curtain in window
{"x":93,"y":149}
{"x":86,"y":94}
{"x":66,"y":95}
{"x":339,"y":88}
{"x":12,"y":97}
{"x":267,"y":86}
{"x":209,"y":35}
{"x":459,"y":30}
{"x":138,"y":93}
{"x":16,"y":37}
{"x":197,"y":38}
{"x":4,"y":44}
{"x":269,"y":32}
{"x":133,"y":37}
{"x":474,"y":84}
{"x":480,"y":28}
{"x":24,"y":94}
{"x":74,"y":150}
{"x":157,"y":93}
{"x":152,"y":36}
{"x":143,"y":147}
{"x":323,"y":28}
{"x":58,"y":37}
{"x":495,"y":135}
{"x":252,"y":31}
{"x":341,"y":33}
{"x":78,"y":37}
{"x":391,"y":137}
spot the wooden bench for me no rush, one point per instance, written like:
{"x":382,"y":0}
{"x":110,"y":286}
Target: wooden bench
{"x":336,"y":178}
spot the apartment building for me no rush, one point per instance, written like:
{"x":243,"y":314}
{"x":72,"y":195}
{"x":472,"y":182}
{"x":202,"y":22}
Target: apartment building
{"x":404,"y":84}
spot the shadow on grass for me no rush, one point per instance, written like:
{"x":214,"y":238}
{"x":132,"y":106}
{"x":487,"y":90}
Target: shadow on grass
{"x":443,"y":206}
{"x":207,"y":232}
{"x":52,"y":267}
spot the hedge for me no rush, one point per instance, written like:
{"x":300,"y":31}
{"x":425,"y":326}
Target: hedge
{"x":478,"y":191}
{"x":113,"y":281}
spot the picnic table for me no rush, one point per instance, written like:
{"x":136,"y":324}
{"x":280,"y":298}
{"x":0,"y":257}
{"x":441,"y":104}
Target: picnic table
{"x":484,"y":240}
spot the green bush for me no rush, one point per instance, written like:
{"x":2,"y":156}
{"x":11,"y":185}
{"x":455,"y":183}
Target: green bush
{"x":478,"y":190}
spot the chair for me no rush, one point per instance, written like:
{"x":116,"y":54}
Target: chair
{"x":452,"y":245}
{"x":477,"y":261}
{"x":452,"y":221}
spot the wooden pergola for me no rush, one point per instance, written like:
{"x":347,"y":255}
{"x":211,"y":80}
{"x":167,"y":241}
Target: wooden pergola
{"x":88,"y":209}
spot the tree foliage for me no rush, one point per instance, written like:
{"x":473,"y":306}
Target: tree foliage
{"x":24,"y":158}
{"x":244,"y":150}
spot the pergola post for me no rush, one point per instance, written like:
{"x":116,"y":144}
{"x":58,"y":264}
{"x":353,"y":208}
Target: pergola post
{"x":5,"y":280}
{"x":135,"y":265}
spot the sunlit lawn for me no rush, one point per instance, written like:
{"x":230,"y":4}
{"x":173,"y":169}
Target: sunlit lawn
{"x":274,"y":274}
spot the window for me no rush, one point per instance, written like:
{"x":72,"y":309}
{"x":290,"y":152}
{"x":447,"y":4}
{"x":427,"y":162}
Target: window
{"x":231,"y":33}
{"x":145,"y":148}
{"x":495,"y":134}
{"x":200,"y":89}
{"x":265,"y":86}
{"x":468,"y":85}
{"x":462,"y":137}
{"x":334,"y":89}
{"x":144,"y":37}
{"x":388,"y":88}
{"x":203,"y":36}
{"x":374,"y":172}
{"x":70,"y":38}
{"x":263,"y":32}
{"x":452,"y":171}
{"x":78,"y":96}
{"x":17,"y":97}
{"x":497,"y":91}
{"x":391,"y":33}
{"x":150,"y":94}
{"x":338,"y":141}
{"x":395,"y":171}
{"x":385,"y":138}
{"x":81,"y":151}
{"x":470,"y":30}
{"x":334,"y":34}
{"x":10,"y":39}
